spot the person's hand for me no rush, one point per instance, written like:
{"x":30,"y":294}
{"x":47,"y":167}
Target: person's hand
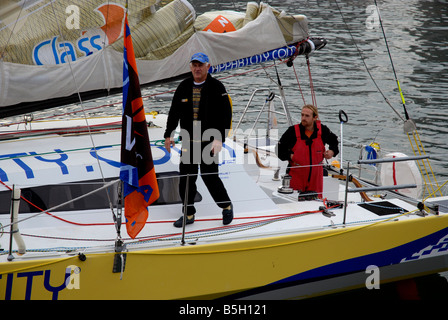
{"x":169,"y":142}
{"x":216,"y":146}
{"x":328,"y":154}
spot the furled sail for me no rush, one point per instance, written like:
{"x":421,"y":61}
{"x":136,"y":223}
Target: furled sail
{"x":53,"y":50}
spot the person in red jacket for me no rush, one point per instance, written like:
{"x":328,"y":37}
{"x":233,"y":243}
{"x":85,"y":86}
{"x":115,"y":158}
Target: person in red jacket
{"x":303,"y":145}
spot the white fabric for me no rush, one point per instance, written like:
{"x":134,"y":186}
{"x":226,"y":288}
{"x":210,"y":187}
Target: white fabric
{"x":26,"y":83}
{"x":405,"y":172}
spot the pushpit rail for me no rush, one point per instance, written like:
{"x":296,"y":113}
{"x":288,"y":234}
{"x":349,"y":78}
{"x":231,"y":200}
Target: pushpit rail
{"x":398,"y":159}
{"x":380,"y":188}
{"x":270,"y":113}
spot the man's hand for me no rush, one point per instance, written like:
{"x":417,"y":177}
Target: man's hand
{"x":169,"y":142}
{"x":216,"y":146}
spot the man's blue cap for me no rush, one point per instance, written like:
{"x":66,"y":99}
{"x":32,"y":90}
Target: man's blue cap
{"x":201,"y":57}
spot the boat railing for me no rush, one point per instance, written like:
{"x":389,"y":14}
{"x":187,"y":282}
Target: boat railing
{"x":17,"y":220}
{"x":14,"y":228}
{"x":369,"y":152}
{"x":376,"y":189}
{"x":14,"y":211}
{"x":15,"y":234}
{"x":398,"y":159}
{"x":267,"y":109}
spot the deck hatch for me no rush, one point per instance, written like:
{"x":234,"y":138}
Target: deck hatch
{"x":382,"y":208}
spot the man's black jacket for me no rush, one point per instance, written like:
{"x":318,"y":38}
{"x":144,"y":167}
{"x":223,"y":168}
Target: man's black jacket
{"x":215,"y":111}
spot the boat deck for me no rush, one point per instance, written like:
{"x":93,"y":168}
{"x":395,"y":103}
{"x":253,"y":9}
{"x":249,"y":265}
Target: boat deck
{"x":259,"y":209}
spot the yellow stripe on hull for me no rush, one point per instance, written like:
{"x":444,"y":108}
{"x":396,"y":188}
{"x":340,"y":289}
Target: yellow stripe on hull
{"x":208,"y":270}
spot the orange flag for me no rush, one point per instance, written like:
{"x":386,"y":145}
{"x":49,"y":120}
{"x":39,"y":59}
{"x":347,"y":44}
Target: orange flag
{"x":137,"y":167}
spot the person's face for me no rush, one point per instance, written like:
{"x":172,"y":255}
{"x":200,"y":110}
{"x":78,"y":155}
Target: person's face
{"x":199,"y":70}
{"x":308,"y":118}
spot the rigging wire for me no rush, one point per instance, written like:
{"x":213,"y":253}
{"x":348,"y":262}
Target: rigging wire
{"x":2,"y":54}
{"x":285,"y":30}
{"x":391,"y":62}
{"x":313,"y":93}
{"x":298,"y":83}
{"x":409,"y":126}
{"x":105,"y":186}
{"x":364,"y":62}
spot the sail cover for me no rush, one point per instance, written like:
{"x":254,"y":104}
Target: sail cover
{"x":54,"y":49}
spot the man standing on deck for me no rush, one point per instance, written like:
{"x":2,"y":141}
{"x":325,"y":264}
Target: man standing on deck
{"x":202,"y":106}
{"x":303,"y":145}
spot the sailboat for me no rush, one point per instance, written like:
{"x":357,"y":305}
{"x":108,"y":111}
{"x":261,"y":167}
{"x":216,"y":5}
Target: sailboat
{"x":61,"y":207}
